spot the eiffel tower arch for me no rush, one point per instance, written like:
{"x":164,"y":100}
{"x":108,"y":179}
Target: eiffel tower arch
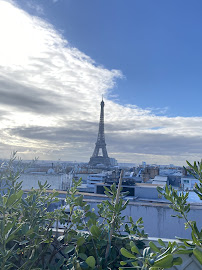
{"x":100,"y":144}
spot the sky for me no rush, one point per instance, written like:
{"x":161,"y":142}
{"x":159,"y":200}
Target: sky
{"x":58,"y":57}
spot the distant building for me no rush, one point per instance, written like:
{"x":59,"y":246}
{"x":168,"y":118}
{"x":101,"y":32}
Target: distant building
{"x":160,"y":180}
{"x":173,"y":174}
{"x":144,"y":164}
{"x":170,"y":171}
{"x":96,"y":178}
{"x":113,"y":162}
{"x":188,"y":182}
{"x":149,"y":172}
{"x":174,"y":180}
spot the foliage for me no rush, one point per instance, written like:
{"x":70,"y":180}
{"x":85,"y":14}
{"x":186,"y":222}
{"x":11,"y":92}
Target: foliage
{"x":25,"y":223}
{"x":151,"y":257}
{"x":92,"y":239}
{"x":196,"y":171}
{"x":179,"y":204}
{"x":91,"y":250}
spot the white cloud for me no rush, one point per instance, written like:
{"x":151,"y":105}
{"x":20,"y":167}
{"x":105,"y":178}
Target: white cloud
{"x":50,"y":94}
{"x":37,"y":8}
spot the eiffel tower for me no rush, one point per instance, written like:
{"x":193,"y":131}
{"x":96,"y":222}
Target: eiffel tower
{"x":100,"y":144}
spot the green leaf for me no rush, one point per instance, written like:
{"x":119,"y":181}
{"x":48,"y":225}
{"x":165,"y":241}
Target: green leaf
{"x":198,"y":254}
{"x":127,"y":254}
{"x":184,"y":251}
{"x":195,"y":240}
{"x":91,"y":261}
{"x":87,"y":207}
{"x":154,"y":247}
{"x":68,"y":249}
{"x":32,"y":254}
{"x":19,"y":194}
{"x":8,"y":227}
{"x":164,"y":261}
{"x":80,"y":241}
{"x":177,"y":261}
{"x":11,"y":199}
{"x":134,"y":248}
{"x":12,"y":235}
{"x":127,"y":228}
{"x":82,"y":256}
{"x":24,"y":242}
{"x":161,"y":243}
{"x":95,"y":231}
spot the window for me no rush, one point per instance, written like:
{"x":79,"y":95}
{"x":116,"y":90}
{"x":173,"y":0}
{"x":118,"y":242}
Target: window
{"x":186,"y":181}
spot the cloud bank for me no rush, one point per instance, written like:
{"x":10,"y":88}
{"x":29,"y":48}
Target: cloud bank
{"x":50,"y":100}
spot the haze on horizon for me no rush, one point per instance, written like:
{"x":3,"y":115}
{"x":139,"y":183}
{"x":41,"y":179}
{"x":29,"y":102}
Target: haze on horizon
{"x":53,"y":75}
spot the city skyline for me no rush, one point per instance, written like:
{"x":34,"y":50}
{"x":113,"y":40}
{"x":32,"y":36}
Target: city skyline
{"x":52,"y":79}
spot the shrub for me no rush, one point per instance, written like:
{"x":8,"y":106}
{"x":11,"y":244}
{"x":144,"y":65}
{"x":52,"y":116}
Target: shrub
{"x":91,"y":240}
{"x":181,"y":207}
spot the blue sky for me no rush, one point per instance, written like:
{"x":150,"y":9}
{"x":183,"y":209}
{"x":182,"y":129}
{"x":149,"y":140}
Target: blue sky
{"x":156,"y":44}
{"x":57,"y":58}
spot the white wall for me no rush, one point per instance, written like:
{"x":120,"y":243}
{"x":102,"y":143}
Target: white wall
{"x":31,"y":180}
{"x":157,"y":218}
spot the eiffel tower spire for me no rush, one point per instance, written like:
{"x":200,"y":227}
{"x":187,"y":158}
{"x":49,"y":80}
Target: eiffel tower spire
{"x":100,"y":144}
